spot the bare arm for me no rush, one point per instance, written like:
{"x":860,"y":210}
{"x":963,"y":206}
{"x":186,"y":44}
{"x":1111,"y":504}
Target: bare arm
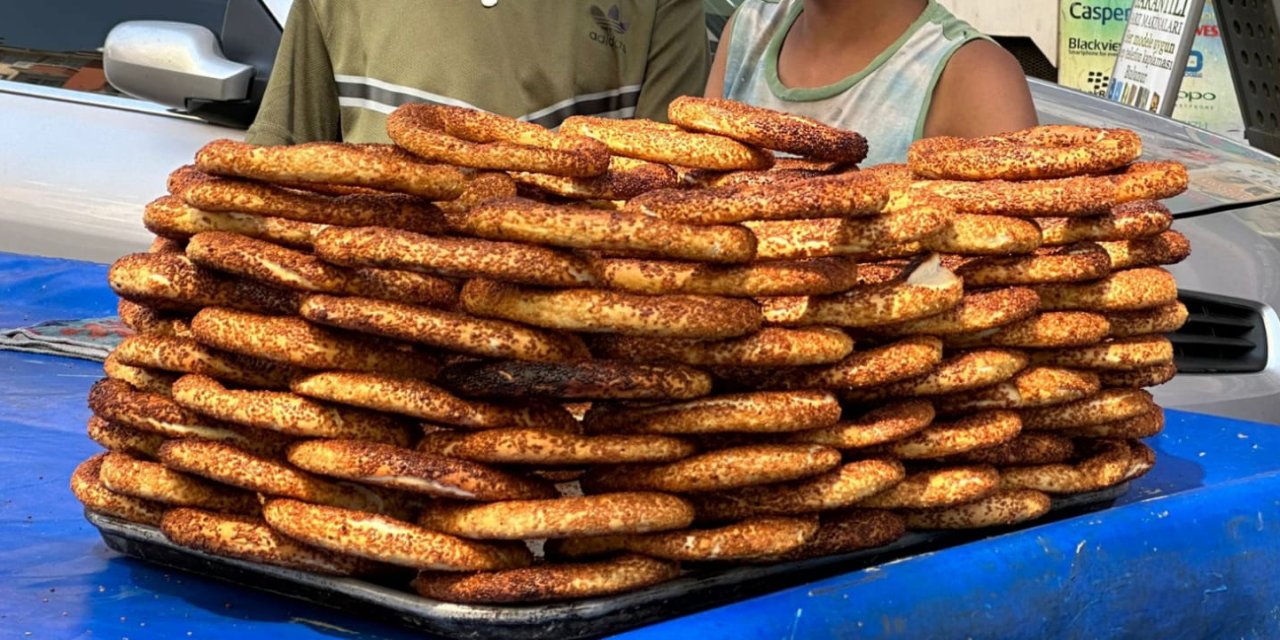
{"x":982,"y":91}
{"x":715,"y":81}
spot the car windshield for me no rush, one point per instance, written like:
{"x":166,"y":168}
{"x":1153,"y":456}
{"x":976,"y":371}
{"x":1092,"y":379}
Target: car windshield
{"x":57,"y":43}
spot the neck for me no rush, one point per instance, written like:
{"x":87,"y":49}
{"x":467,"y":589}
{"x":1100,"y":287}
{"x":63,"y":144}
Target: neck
{"x":855,"y":20}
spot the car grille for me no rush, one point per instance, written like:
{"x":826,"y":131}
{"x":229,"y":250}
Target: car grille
{"x":1222,"y":335}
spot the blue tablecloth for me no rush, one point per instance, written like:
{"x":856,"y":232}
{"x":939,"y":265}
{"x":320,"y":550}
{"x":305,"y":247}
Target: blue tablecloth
{"x":1193,"y":551}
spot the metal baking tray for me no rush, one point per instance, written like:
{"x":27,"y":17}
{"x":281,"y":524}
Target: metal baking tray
{"x":697,"y":589}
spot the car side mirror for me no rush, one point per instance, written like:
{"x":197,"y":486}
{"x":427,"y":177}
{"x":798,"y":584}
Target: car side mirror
{"x":172,"y":63}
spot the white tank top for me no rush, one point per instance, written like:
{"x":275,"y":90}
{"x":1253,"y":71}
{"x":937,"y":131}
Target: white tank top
{"x":886,"y":102}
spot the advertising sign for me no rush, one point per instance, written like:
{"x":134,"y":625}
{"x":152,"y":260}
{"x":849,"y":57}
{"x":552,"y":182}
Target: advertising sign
{"x":1090,"y":37}
{"x":1153,"y":53}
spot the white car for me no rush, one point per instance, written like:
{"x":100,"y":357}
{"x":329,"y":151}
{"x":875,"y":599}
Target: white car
{"x":77,"y":167}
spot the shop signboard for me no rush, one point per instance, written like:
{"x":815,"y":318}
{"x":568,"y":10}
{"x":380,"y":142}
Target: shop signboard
{"x":1090,"y":37}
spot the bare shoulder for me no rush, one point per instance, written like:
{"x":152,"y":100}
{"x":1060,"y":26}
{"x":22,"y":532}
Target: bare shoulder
{"x":982,"y":91}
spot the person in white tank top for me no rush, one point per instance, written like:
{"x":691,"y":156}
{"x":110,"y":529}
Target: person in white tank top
{"x":893,"y":70}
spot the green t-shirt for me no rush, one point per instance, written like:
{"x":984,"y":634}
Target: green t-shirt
{"x":344,"y":64}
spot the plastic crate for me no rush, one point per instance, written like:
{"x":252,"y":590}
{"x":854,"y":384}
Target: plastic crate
{"x":1251,"y":38}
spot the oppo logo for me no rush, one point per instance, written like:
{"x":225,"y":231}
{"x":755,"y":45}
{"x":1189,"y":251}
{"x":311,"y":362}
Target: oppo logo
{"x":1196,"y":96}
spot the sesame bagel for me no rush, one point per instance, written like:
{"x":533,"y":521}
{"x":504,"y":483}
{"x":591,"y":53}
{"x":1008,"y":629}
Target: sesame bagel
{"x":483,"y":140}
{"x":379,"y":166}
{"x":585,"y":380}
{"x":155,"y":482}
{"x":1126,"y":221}
{"x":382,"y":539}
{"x":548,"y":447}
{"x":286,"y":412}
{"x":849,"y":530}
{"x":961,"y":372}
{"x":1143,"y":425}
{"x":1169,"y":247}
{"x":1033,"y":447}
{"x":885,"y":423}
{"x":290,"y":269}
{"x":769,"y":347}
{"x":231,"y":466}
{"x":171,"y":282}
{"x":249,"y":538}
{"x":839,"y":488}
{"x":140,"y":378}
{"x":922,"y":289}
{"x":426,"y":401}
{"x":566,"y":517}
{"x":969,"y":433}
{"x":774,"y":278}
{"x":907,"y":217}
{"x":185,"y":355}
{"x":749,"y":539}
{"x":969,"y":234}
{"x":1105,"y":406}
{"x":1047,"y":151}
{"x":172,"y":219}
{"x":118,"y":403}
{"x":1100,"y":464}
{"x":1118,"y":354}
{"x":144,"y":319}
{"x":1001,"y":508}
{"x":545,"y":582}
{"x":977,"y":311}
{"x":523,"y":220}
{"x":767,"y":128}
{"x":134,"y":442}
{"x":658,"y":142}
{"x":1152,"y":376}
{"x":1162,"y":319}
{"x":937,"y":488}
{"x":1072,"y":263}
{"x":757,"y":412}
{"x":906,"y":358}
{"x":1064,"y":197}
{"x":1126,"y":290}
{"x":453,"y":257}
{"x":95,"y":496}
{"x":1035,"y":386}
{"x":268,"y":200}
{"x":443,"y":329}
{"x":625,"y":179}
{"x":297,"y":342}
{"x":718,"y":470}
{"x":1043,"y":330}
{"x":413,"y":471}
{"x":600,"y":311}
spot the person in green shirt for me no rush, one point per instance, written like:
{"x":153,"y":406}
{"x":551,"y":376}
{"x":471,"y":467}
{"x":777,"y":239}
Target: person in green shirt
{"x":344,"y":65}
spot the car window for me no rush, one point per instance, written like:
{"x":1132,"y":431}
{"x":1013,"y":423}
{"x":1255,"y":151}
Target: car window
{"x":57,"y":43}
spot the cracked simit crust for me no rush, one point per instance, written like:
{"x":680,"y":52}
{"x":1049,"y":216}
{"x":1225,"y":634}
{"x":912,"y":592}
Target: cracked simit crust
{"x":1152,"y":376}
{"x":816,"y":276}
{"x":1169,"y":247}
{"x":1128,"y":221}
{"x":837,"y":489}
{"x":1108,"y":405}
{"x":1035,"y":386}
{"x":963,"y":371}
{"x":95,"y":496}
{"x":1002,"y":508}
{"x":1028,"y":448}
{"x":906,"y":358}
{"x":185,"y":355}
{"x":549,"y":447}
{"x":750,"y":539}
{"x":977,"y":311}
{"x":1162,"y":319}
{"x":144,"y":319}
{"x":1073,"y":263}
{"x":115,"y":437}
{"x":907,"y":218}
{"x":152,"y":481}
{"x":1119,"y":354}
{"x":141,"y":378}
{"x":837,"y":196}
{"x":937,"y":488}
{"x":171,"y":282}
{"x":566,"y":517}
{"x":625,"y":179}
{"x":718,"y":470}
{"x":176,"y":221}
{"x":1043,"y":330}
{"x":922,"y":288}
{"x":885,"y":423}
{"x":969,"y":433}
{"x":1100,"y":464}
{"x":971,"y":234}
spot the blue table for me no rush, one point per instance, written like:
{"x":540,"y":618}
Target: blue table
{"x":1192,"y":551}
